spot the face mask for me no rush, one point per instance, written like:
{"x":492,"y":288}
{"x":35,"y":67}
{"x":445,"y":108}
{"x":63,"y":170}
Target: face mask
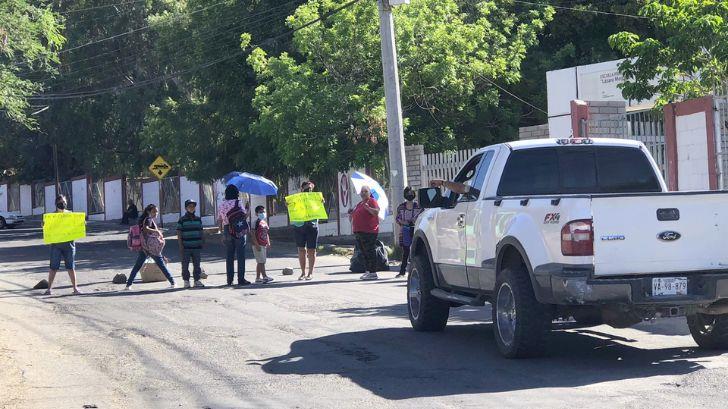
{"x":261,"y":216}
{"x":308,"y":189}
{"x":409,"y":198}
{"x":61,"y":205}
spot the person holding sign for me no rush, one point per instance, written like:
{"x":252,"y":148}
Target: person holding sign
{"x":306,"y":235}
{"x":65,"y":251}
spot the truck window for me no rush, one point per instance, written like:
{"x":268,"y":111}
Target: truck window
{"x":466,"y":176}
{"x":625,"y":170}
{"x":477,"y":184}
{"x":577,"y":170}
{"x":530,"y":172}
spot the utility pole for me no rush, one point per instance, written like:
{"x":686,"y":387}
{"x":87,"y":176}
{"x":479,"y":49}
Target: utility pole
{"x":395,"y":132}
{"x":55,"y":168}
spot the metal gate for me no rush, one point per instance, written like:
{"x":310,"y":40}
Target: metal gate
{"x":721,"y":131}
{"x":648,"y":127}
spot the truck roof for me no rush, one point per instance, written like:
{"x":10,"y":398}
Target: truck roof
{"x":539,"y":143}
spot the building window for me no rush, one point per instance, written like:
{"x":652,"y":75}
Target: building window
{"x":14,"y":198}
{"x":96,"y":197}
{"x":170,"y":195}
{"x":207,"y":200}
{"x":38,"y":195}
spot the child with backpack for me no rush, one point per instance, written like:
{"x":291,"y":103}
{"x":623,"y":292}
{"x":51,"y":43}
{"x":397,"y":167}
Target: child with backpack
{"x":146,"y":238}
{"x":234,"y":227}
{"x":190,"y":238}
{"x":261,"y":244}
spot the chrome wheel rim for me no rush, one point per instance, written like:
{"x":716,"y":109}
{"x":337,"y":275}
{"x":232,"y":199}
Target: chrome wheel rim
{"x":506,"y":314}
{"x":414,"y":292}
{"x":707,"y":323}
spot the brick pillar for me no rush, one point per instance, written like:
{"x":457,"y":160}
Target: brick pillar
{"x":415,"y":157}
{"x":579,"y":118}
{"x":607,"y":119}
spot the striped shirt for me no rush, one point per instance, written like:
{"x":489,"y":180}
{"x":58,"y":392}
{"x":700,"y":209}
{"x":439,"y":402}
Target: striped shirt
{"x":190,"y":228}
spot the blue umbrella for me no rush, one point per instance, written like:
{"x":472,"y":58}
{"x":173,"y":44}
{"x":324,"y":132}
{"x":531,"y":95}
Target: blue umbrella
{"x":252,"y":184}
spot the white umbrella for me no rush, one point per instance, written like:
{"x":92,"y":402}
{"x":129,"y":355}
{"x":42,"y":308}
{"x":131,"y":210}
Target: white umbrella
{"x":359,"y":180}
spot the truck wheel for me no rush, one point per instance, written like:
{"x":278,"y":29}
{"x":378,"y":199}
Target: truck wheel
{"x":520,"y":323}
{"x":2,"y":223}
{"x":426,"y":312}
{"x":709,"y":331}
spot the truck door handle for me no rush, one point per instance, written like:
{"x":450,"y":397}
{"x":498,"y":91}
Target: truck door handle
{"x":461,"y":220}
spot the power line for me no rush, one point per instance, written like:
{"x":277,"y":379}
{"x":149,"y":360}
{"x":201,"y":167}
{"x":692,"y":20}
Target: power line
{"x":493,"y":83}
{"x":545,"y":3}
{"x":111,"y":65}
{"x":175,"y":17}
{"x":167,"y":77}
{"x":101,"y":7}
{"x":119,"y":48}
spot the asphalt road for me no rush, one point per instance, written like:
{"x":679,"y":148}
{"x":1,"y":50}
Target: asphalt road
{"x":334,"y":342}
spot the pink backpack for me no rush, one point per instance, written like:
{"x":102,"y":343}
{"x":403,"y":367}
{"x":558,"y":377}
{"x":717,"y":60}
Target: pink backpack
{"x":134,"y":238}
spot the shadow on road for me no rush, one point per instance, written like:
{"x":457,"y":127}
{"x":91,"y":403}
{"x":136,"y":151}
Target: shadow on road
{"x":399,"y":363}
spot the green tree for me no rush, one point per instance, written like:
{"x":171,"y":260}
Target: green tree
{"x":30,"y":36}
{"x":689,"y":60}
{"x":322,"y":105}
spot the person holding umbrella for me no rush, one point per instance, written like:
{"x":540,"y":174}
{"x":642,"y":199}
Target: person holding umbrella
{"x":233,"y":218}
{"x":365,"y":224}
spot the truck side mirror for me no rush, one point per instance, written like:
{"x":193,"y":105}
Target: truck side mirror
{"x":431,"y":197}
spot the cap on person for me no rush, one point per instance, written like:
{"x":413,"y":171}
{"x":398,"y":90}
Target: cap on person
{"x":190,"y":202}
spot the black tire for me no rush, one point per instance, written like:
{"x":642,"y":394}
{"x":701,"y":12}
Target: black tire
{"x":426,"y":312}
{"x":709,"y":331}
{"x":521,"y":328}
{"x":2,"y":223}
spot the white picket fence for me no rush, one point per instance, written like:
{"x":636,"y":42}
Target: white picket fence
{"x":445,"y":165}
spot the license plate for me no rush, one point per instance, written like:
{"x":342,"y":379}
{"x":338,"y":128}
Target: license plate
{"x":669,"y":286}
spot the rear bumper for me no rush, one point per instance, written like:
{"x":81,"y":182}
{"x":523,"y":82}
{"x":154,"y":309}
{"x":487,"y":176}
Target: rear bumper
{"x":574,"y":285}
{"x":14,"y":222}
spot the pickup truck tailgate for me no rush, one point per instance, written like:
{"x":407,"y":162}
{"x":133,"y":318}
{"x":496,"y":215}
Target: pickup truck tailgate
{"x":630,"y":238}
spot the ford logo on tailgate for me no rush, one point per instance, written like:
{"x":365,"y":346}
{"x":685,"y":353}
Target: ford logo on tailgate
{"x":669,"y":236}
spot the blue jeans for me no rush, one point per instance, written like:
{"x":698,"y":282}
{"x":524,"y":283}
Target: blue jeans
{"x":234,"y":248}
{"x":138,"y":266}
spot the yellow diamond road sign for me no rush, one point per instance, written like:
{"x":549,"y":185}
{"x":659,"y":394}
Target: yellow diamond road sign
{"x":160,"y":167}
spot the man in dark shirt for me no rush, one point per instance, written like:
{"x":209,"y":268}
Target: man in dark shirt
{"x":190,"y":237}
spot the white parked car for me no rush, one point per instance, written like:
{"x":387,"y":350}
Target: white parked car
{"x":570,"y":229}
{"x":10,"y":220}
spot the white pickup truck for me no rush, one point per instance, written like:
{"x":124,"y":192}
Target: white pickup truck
{"x":580,"y":229}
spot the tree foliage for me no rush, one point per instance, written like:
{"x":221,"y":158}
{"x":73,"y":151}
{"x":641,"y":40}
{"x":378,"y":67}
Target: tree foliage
{"x":688,"y":60}
{"x":322,"y":106}
{"x":30,"y":36}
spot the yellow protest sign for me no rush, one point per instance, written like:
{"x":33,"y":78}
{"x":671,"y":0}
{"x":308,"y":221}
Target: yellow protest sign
{"x":63,"y":227}
{"x":160,"y":167}
{"x":303,"y":207}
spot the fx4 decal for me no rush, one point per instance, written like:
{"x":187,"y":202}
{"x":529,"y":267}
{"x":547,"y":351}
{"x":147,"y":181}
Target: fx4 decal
{"x":552,"y":218}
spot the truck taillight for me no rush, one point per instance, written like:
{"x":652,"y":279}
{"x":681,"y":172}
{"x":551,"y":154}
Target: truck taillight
{"x":577,"y":238}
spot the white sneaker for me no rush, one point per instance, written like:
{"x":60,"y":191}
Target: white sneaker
{"x":187,"y":283}
{"x":127,"y":288}
{"x":198,"y":284}
{"x":172,"y":286}
{"x":369,"y":276}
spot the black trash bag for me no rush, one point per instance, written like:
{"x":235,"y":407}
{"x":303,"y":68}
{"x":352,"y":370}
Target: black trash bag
{"x":358,"y":264}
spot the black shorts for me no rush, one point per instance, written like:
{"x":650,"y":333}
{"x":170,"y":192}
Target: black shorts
{"x":306,"y":235}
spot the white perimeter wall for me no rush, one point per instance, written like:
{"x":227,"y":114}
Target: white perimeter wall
{"x":692,"y":152}
{"x":79,"y":191}
{"x":113,"y":200}
{"x":50,"y":198}
{"x":150,"y":194}
{"x":26,"y":200}
{"x":188,"y":190}
{"x":3,"y":198}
